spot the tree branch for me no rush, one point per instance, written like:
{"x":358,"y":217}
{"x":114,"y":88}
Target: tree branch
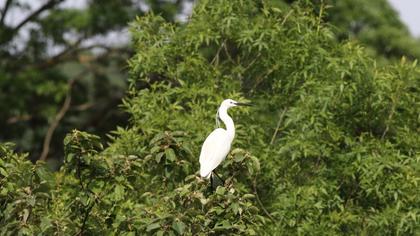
{"x":254,"y":185}
{"x":278,"y":126}
{"x":73,"y":52}
{"x":33,"y":15}
{"x":15,"y":119}
{"x":257,"y":57}
{"x":216,"y":57}
{"x":391,"y":114}
{"x":85,"y":217}
{"x":58,"y":58}
{"x":54,"y":124}
{"x":4,"y":11}
{"x":287,"y":16}
{"x":261,"y":78}
{"x":228,"y":54}
{"x":57,"y":119}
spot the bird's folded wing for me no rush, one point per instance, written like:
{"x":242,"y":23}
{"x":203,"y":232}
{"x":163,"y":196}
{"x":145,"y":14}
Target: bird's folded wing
{"x":214,"y":150}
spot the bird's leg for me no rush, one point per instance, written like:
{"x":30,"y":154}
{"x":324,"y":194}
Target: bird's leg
{"x":222,"y":180}
{"x":211,"y":182}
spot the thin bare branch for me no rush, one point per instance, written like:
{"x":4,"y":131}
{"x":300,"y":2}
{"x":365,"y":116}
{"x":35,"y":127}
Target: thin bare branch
{"x":228,"y":54}
{"x":85,"y":217}
{"x":260,"y":78}
{"x":4,"y":11}
{"x":287,"y":16}
{"x":278,"y":126}
{"x":33,"y":15}
{"x":252,"y":62}
{"x":57,"y":58}
{"x":391,"y":114}
{"x":73,"y":53}
{"x":83,"y":107}
{"x":98,"y":45}
{"x":254,"y":185}
{"x":64,"y":108}
{"x":216,"y":57}
{"x":15,"y":119}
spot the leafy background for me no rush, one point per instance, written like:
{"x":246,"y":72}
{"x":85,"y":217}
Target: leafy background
{"x":330,"y":147}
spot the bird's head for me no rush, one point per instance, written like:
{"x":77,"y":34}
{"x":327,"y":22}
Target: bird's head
{"x":228,"y":103}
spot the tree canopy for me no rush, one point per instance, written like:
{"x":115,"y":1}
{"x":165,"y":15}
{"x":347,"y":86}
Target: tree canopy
{"x":330,"y":147}
{"x":60,"y":71}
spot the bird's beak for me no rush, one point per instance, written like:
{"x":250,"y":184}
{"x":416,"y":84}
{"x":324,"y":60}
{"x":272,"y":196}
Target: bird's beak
{"x":243,"y":104}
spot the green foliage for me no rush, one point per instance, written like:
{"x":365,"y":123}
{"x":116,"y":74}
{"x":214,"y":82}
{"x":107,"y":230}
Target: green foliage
{"x":59,"y":52}
{"x":155,"y":193}
{"x":330,"y":148}
{"x":25,"y":193}
{"x":341,"y":109}
{"x":375,"y":24}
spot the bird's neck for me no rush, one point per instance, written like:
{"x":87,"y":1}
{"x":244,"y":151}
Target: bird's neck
{"x":230,"y":127}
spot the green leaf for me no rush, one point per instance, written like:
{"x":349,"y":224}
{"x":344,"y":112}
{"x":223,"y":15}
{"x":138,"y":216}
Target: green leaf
{"x":220,"y":190}
{"x":119,"y":192}
{"x":3,"y":172}
{"x":158,"y":137}
{"x":152,"y":227}
{"x":159,"y":156}
{"x":248,"y":196}
{"x":45,"y":223}
{"x":223,"y":225}
{"x":239,"y":157}
{"x":155,"y":149}
{"x":235,"y":208}
{"x":179,"y":227}
{"x":170,"y":154}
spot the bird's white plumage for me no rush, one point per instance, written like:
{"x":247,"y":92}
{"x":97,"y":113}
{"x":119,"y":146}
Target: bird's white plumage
{"x":214,"y":151}
{"x":217,"y":145}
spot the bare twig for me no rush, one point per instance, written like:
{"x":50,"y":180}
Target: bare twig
{"x":216,"y":57}
{"x":71,"y":47}
{"x":4,"y":11}
{"x":287,"y":16}
{"x":260,"y":79}
{"x":33,"y":15}
{"x":15,"y":119}
{"x":252,"y":62}
{"x":391,"y":114}
{"x":54,"y":124}
{"x":321,"y":12}
{"x":228,"y":54}
{"x":57,"y":119}
{"x":254,"y":185}
{"x":97,"y":45}
{"x":85,"y":217}
{"x":278,"y":125}
{"x":73,"y":52}
{"x":83,"y":107}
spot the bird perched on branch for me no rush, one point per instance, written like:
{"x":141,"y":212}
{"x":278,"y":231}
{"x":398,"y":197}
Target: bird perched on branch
{"x":217,"y":145}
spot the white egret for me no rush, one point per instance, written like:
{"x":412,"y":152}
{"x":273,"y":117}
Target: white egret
{"x":217,"y":145}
